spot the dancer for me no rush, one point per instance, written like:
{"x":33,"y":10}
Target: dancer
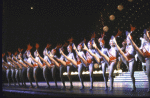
{"x":23,"y":72}
{"x":70,"y":61}
{"x":54,"y":63}
{"x":92,"y":57}
{"x":7,"y":67}
{"x":102,"y":62}
{"x":144,"y":54}
{"x":29,"y":62}
{"x":13,"y":67}
{"x":110,"y":60}
{"x":19,"y":67}
{"x":46,"y":65}
{"x":62,"y":63}
{"x":80,"y":63}
{"x":37,"y":65}
{"x":128,"y":57}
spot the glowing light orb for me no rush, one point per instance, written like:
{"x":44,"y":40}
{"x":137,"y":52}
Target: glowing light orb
{"x":120,"y":7}
{"x":111,"y":17}
{"x":105,"y":28}
{"x":31,"y":7}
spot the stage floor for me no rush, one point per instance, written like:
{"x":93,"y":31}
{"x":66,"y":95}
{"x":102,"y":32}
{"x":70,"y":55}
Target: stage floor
{"x":120,"y":89}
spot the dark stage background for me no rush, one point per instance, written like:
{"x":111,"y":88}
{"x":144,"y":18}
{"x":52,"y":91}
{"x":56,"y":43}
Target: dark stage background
{"x":55,"y":21}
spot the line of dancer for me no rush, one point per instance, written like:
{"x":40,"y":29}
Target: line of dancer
{"x":19,"y":65}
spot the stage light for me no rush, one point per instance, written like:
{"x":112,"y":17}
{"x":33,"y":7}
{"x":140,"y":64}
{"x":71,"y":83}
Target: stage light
{"x":111,"y":17}
{"x":105,"y":28}
{"x":120,"y":7}
{"x":31,"y":7}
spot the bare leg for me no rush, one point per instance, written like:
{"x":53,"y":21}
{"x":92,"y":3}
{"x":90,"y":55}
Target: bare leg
{"x":104,"y":74}
{"x":91,"y":75}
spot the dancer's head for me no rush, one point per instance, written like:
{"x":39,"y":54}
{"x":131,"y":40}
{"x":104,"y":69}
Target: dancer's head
{"x":146,"y":35}
{"x":127,"y":38}
{"x":101,"y":42}
{"x":79,"y":47}
{"x":44,"y":52}
{"x":90,"y":44}
{"x":53,"y":51}
{"x":36,"y":54}
{"x":111,"y":42}
{"x":69,"y":48}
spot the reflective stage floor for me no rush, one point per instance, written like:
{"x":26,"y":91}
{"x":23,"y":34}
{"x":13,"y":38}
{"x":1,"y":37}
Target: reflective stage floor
{"x":121,"y":89}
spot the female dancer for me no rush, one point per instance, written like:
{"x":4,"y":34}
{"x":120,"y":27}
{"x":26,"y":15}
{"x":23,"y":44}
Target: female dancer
{"x":8,"y":66}
{"x":46,"y":65}
{"x":110,"y":60}
{"x":29,"y":62}
{"x":54,"y":63}
{"x":13,"y":67}
{"x":70,"y":61}
{"x":80,"y":64}
{"x":19,"y":67}
{"x":23,"y":72}
{"x":90,"y":55}
{"x":62,"y":63}
{"x":128,"y":58}
{"x":37,"y":64}
{"x":145,"y":53}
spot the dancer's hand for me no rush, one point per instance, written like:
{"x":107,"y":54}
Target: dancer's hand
{"x":129,"y":35}
{"x":74,"y":47}
{"x":94,"y":45}
{"x":85,"y":48}
{"x":114,"y":40}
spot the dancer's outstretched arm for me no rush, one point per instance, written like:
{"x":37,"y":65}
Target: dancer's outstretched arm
{"x":69,"y":59}
{"x":92,"y":54}
{"x":84,"y":61}
{"x":102,"y":54}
